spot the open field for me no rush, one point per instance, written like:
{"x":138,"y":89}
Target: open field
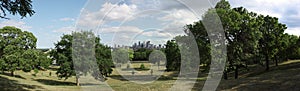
{"x":283,"y":77}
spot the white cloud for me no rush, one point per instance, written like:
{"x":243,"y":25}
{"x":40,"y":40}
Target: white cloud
{"x":265,"y":7}
{"x":124,"y":35}
{"x":118,"y":12}
{"x":67,"y":19}
{"x":18,"y":24}
{"x":177,"y":20}
{"x":157,"y":34}
{"x":172,"y":23}
{"x":180,"y":16}
{"x":121,"y":35}
{"x":108,"y":12}
{"x":121,"y":29}
{"x":293,"y":31}
{"x":67,"y":29}
{"x":147,"y":4}
{"x":287,"y":11}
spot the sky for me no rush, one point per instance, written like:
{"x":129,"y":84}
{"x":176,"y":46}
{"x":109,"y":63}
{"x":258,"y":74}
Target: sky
{"x":128,"y":21}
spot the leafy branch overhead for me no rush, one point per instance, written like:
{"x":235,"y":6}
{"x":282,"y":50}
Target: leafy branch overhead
{"x":16,"y":7}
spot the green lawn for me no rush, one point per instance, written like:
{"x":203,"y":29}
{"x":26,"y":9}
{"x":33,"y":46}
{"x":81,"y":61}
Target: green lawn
{"x":283,"y":77}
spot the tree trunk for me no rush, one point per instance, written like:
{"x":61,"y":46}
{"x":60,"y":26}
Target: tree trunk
{"x":236,"y":73}
{"x":12,"y":73}
{"x":267,"y":63}
{"x":77,"y":81}
{"x":225,"y":75}
{"x":276,"y":60}
{"x":158,"y":65}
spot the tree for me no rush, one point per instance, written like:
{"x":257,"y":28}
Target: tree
{"x":291,"y":51}
{"x":157,"y":57}
{"x":271,"y":30}
{"x":14,"y":43}
{"x":104,"y":59}
{"x":14,"y":36}
{"x":14,"y":7}
{"x":11,"y":59}
{"x":122,"y":55}
{"x":243,"y":29}
{"x":63,"y":56}
{"x":142,"y":54}
{"x":242,"y":35}
{"x":33,"y":59}
{"x":80,"y":54}
{"x":203,"y":42}
{"x":173,"y":56}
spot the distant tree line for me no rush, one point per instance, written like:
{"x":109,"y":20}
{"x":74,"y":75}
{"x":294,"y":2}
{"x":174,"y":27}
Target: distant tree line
{"x":142,"y":54}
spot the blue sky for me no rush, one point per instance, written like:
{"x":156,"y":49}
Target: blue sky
{"x":131,"y":20}
{"x":50,"y":15}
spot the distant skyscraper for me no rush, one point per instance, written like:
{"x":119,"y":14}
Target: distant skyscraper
{"x":146,"y":45}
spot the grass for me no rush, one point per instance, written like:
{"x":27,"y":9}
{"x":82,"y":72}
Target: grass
{"x":283,"y":77}
{"x":41,"y":82}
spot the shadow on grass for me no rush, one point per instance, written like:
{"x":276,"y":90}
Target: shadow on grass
{"x":278,"y":78}
{"x":140,"y":77}
{"x":16,"y":76}
{"x":136,"y":69}
{"x":13,"y":85}
{"x":52,"y":68}
{"x":139,"y":69}
{"x":55,"y":83}
{"x":259,"y":71}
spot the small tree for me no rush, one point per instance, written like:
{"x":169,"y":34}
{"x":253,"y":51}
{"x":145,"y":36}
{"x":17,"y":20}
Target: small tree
{"x":173,"y":56}
{"x":122,"y":55}
{"x":142,"y":67}
{"x":156,"y":57}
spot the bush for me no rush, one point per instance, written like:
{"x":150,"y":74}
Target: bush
{"x":35,"y":72}
{"x":142,"y":67}
{"x":128,"y":66}
{"x":165,"y":78}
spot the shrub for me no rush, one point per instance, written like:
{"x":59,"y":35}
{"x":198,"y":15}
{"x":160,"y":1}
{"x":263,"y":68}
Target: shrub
{"x":165,"y":78}
{"x":142,"y":67}
{"x":128,"y":66}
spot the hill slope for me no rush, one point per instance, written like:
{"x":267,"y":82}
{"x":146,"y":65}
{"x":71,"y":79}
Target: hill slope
{"x":286,"y":77}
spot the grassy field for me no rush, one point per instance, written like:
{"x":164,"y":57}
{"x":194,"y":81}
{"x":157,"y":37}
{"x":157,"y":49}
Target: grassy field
{"x":283,"y":77}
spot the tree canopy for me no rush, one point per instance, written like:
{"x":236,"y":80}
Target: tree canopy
{"x":18,"y":51}
{"x":250,"y":38}
{"x":16,"y":7}
{"x":76,"y":53}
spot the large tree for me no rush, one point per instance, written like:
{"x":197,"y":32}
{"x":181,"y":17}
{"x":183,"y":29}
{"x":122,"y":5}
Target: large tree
{"x":203,"y":42}
{"x":272,"y":30}
{"x":14,"y":7}
{"x":173,"y":56}
{"x":63,"y":56}
{"x":17,"y":51}
{"x":104,"y":58}
{"x":80,"y":54}
{"x":248,"y":36}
